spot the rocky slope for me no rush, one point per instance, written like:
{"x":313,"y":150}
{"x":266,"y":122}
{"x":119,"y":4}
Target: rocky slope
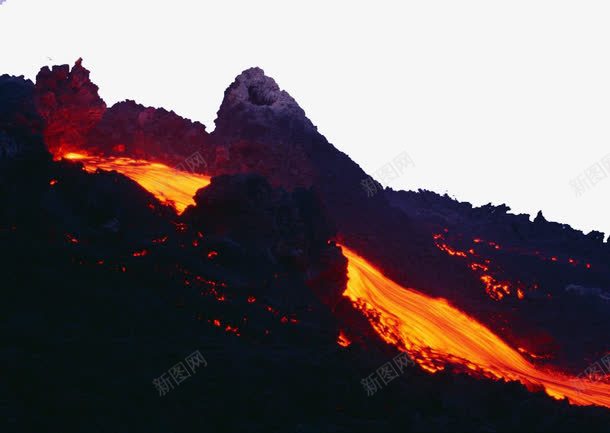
{"x":106,"y":288}
{"x":261,"y":129}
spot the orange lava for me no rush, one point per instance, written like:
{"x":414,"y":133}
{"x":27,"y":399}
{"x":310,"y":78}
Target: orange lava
{"x":342,"y":340}
{"x":169,"y":185}
{"x":434,"y":333}
{"x":495,"y":289}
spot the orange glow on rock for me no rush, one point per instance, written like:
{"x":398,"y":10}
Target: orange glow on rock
{"x":434,"y":334}
{"x":446,"y":248}
{"x":495,"y":289}
{"x":532,"y":355}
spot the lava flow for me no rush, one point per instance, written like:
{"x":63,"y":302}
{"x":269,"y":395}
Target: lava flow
{"x":434,"y":333}
{"x":168,"y":184}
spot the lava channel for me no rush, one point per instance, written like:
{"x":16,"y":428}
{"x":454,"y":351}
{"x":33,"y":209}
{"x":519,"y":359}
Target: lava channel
{"x":434,"y":334}
{"x":168,"y":184}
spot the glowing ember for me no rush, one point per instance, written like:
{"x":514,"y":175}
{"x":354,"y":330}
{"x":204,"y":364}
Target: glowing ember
{"x":495,"y":289}
{"x":446,"y":248}
{"x":168,"y":184}
{"x":342,"y":340}
{"x":434,"y":334}
{"x":160,"y":240}
{"x":532,"y":355}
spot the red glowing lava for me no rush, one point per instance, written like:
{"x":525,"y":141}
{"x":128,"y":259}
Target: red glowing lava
{"x":342,"y":340}
{"x":168,"y":184}
{"x":494,"y":288}
{"x":434,"y":333}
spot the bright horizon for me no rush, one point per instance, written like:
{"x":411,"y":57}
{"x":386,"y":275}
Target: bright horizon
{"x":500,"y":103}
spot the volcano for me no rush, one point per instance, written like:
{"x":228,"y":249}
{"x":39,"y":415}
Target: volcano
{"x":158,"y":277}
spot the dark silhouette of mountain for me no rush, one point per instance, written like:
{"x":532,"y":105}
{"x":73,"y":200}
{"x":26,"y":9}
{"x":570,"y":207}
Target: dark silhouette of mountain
{"x":395,"y":230}
{"x":106,"y":288}
{"x":21,"y":126}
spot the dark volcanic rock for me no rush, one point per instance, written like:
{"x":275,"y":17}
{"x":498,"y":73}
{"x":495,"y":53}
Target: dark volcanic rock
{"x":275,"y":227}
{"x":130,"y":129}
{"x":69,"y":104}
{"x":20,"y":125}
{"x":256,"y":114}
{"x":106,"y":289}
{"x":397,"y":235}
{"x":542,"y":257}
{"x":261,"y":129}
{"x":90,"y":324}
{"x":76,"y":119}
{"x":252,"y":103}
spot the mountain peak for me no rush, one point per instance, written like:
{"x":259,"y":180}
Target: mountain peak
{"x":254,"y":105}
{"x":254,"y":87}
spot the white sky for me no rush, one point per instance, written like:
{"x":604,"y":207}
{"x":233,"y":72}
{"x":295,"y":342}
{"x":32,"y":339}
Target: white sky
{"x":494,"y":101}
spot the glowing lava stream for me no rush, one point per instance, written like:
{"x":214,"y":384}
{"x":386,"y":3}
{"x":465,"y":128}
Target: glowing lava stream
{"x":168,"y":184}
{"x":434,"y":333}
{"x":430,"y":329}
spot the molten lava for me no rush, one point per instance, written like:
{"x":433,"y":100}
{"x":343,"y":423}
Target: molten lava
{"x":435,"y":334}
{"x":169,"y":185}
{"x":494,"y":288}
